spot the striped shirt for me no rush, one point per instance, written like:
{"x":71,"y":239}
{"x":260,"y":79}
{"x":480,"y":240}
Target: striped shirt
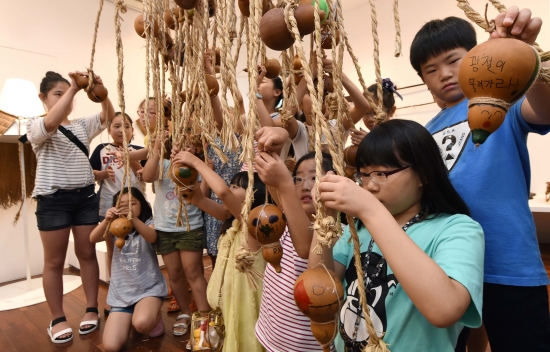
{"x":60,"y":163}
{"x":281,"y":326}
{"x":135,"y":273}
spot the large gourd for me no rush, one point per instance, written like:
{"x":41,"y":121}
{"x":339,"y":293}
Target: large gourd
{"x":319,"y":294}
{"x":97,"y":93}
{"x":274,"y":31}
{"x":266,"y":223}
{"x":494,"y":75}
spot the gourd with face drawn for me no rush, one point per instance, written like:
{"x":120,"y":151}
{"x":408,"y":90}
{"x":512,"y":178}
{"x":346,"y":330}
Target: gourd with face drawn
{"x":185,"y":178}
{"x":267,"y":223}
{"x":501,"y":69}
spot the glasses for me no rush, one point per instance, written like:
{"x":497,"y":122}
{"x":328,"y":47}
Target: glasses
{"x":378,"y":177}
{"x":309,"y":179}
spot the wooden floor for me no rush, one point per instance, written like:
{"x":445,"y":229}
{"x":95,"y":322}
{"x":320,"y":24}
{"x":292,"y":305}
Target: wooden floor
{"x":24,"y":329}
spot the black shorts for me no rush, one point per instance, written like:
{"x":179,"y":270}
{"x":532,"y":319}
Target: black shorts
{"x":66,"y":208}
{"x":516,"y":318}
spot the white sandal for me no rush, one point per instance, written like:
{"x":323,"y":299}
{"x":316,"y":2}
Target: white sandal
{"x":55,"y":337}
{"x":95,"y":323}
{"x":185,"y":326}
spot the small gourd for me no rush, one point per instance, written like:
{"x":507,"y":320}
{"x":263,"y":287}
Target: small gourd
{"x":185,"y":178}
{"x":97,"y":93}
{"x":120,"y":228}
{"x":267,"y":223}
{"x":350,"y":154}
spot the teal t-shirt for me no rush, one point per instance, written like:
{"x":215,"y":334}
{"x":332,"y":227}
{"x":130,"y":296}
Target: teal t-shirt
{"x":456,"y":244}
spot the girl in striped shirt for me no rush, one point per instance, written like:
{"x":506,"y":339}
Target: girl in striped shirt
{"x":281,"y":326}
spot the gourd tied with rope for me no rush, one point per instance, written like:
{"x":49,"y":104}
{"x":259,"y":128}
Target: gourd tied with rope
{"x":319,"y":294}
{"x":272,"y":67}
{"x":493,"y":75}
{"x":96,"y":92}
{"x":266,"y":223}
{"x":120,"y":228}
{"x":185,"y":178}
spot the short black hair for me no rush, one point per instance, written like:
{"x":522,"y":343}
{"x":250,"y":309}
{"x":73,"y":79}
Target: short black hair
{"x":126,"y":116}
{"x":146,"y":211}
{"x":439,"y":36}
{"x":278,"y":84}
{"x":50,"y":80}
{"x":396,"y":143}
{"x":388,"y":100}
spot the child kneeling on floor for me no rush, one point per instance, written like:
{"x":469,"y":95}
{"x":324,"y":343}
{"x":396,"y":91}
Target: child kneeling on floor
{"x":137,"y":288}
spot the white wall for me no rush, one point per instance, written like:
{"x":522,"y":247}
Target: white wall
{"x":60,"y":32}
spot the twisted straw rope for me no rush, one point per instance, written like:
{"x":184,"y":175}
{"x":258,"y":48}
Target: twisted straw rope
{"x":380,"y":114}
{"x":397,"y":28}
{"x":244,"y":259}
{"x":91,"y":68}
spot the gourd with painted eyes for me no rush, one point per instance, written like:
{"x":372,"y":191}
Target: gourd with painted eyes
{"x":494,"y":75}
{"x":267,"y":223}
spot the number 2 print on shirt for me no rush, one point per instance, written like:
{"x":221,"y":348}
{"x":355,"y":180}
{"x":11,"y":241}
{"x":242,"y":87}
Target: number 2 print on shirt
{"x":451,"y":142}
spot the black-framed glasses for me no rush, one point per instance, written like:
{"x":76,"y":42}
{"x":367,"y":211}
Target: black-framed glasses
{"x":299,"y":180}
{"x":378,"y":177}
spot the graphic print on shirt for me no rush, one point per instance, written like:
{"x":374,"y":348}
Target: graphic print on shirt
{"x":130,"y":249}
{"x":383,"y":286}
{"x":171,"y":207}
{"x":451,"y":142}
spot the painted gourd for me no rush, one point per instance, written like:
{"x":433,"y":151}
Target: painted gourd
{"x":326,"y":37}
{"x":274,"y":32}
{"x":318,"y":293}
{"x":305,"y":18}
{"x":120,"y":228}
{"x":266,"y":223}
{"x":139,"y":26}
{"x":97,"y":94}
{"x":273,"y":68}
{"x":350,"y":153}
{"x":273,"y":255}
{"x":297,"y":66}
{"x":186,"y":4}
{"x":501,"y":69}
{"x":185,"y":178}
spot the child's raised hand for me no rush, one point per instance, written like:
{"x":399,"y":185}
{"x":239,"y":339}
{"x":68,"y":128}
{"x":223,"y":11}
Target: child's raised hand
{"x":187,"y":158}
{"x":119,"y":155}
{"x":342,"y":194}
{"x":272,"y":170}
{"x":261,"y":74}
{"x":357,"y":135}
{"x":175,"y":150}
{"x":518,"y":23}
{"x":271,"y":139}
{"x":111,"y":214}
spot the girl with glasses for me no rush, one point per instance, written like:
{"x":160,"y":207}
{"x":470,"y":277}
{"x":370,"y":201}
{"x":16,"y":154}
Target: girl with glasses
{"x":421,"y":253}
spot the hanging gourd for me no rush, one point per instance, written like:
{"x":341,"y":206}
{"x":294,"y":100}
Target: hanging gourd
{"x":169,"y":17}
{"x":272,"y":67}
{"x":186,"y":4}
{"x":305,"y":18}
{"x":319,"y":294}
{"x":326,"y":37}
{"x":97,"y":92}
{"x":120,"y":228}
{"x":267,"y":223}
{"x":350,"y":154}
{"x":185,"y":178}
{"x":493,"y":75}
{"x":139,"y":26}
{"x":274,"y":31}
{"x":297,"y":67}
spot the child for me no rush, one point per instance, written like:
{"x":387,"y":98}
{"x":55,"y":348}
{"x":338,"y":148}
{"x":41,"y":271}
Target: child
{"x":109,"y":175}
{"x":137,"y":287}
{"x":239,"y":302}
{"x":279,"y":315}
{"x":65,"y":194}
{"x":493,"y":179}
{"x":181,"y":249}
{"x":421,"y":253}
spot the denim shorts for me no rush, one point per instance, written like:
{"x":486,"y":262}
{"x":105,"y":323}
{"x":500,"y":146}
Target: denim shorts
{"x":129,"y":309}
{"x":66,"y":208}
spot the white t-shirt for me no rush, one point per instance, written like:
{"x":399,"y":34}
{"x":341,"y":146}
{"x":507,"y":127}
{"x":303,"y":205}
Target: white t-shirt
{"x":60,"y":163}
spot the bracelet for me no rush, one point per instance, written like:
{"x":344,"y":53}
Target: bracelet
{"x":259,"y":96}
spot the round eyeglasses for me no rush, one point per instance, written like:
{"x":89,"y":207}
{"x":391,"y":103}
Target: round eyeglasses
{"x":378,"y":177}
{"x":299,"y":180}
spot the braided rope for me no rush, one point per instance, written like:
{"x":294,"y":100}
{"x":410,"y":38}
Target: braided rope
{"x":91,"y":68}
{"x":244,"y":259}
{"x":380,"y":114}
{"x":397,"y":28}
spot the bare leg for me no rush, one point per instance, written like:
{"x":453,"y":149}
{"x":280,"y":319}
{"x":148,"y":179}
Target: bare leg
{"x":146,"y":314}
{"x":117,"y":331}
{"x":176,"y":276}
{"x":89,"y":269}
{"x":55,"y":249}
{"x":213,"y":259}
{"x":191,"y":262}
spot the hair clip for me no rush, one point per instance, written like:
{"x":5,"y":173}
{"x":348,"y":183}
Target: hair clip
{"x":388,"y":85}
